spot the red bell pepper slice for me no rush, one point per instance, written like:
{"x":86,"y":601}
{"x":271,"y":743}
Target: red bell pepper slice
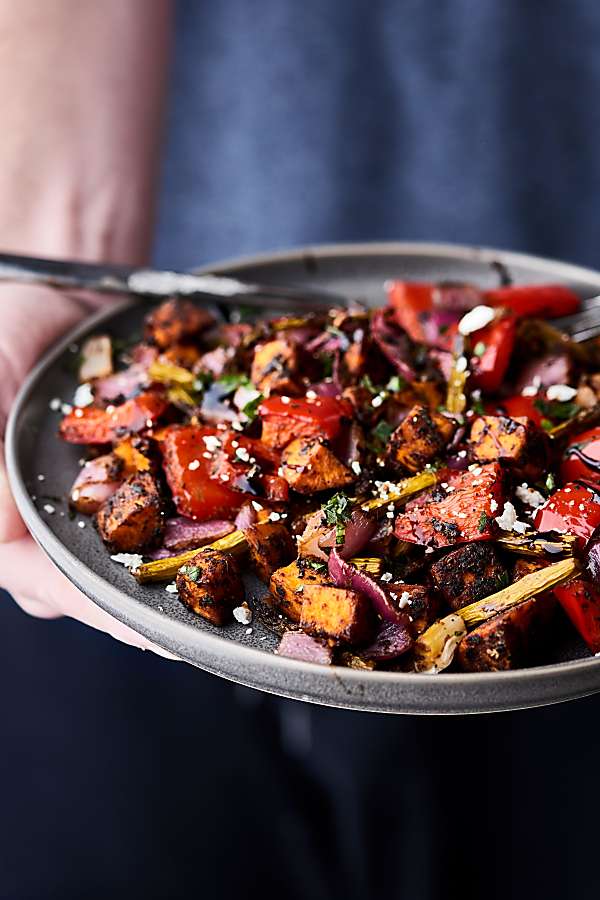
{"x":581,"y":601}
{"x":582,"y":457}
{"x":517,"y":406}
{"x":92,"y":425}
{"x":572,"y":509}
{"x":464,"y":514}
{"x":195,"y":493}
{"x":287,"y":418}
{"x":489,"y":368}
{"x":542,"y":300}
{"x":411,"y":300}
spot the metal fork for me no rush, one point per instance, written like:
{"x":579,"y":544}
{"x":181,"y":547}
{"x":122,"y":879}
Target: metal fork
{"x":584,"y":324}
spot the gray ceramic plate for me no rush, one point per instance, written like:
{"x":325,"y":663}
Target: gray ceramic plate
{"x":32,"y":448}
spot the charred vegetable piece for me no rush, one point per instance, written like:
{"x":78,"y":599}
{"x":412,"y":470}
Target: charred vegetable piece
{"x":496,"y":342}
{"x":412,"y":301}
{"x":420,"y":438}
{"x":519,"y":406}
{"x":271,"y":546}
{"x":581,"y":458}
{"x":337,"y":613}
{"x":97,"y":481}
{"x":309,"y":466}
{"x":540,"y":301}
{"x":510,"y":640}
{"x":185,"y":534}
{"x":210,"y":584}
{"x":415,"y":601}
{"x":529,"y":586}
{"x":574,"y":509}
{"x":91,"y":425}
{"x":137,"y":455}
{"x":176,"y":321}
{"x":580,"y":600}
{"x":392,"y":641}
{"x":188,"y":472}
{"x":517,"y":442}
{"x":133,"y":518}
{"x":288,"y":584}
{"x":538,"y":546}
{"x":283,"y":421}
{"x":435,"y":648}
{"x":168,"y":373}
{"x":468,"y":574}
{"x":298,"y":645}
{"x":276,"y":368}
{"x":96,"y":358}
{"x":402,"y":491}
{"x":463,"y":515}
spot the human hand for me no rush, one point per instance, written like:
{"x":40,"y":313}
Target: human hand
{"x":31,"y":319}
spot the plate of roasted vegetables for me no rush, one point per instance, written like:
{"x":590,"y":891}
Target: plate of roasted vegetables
{"x":392,"y":505}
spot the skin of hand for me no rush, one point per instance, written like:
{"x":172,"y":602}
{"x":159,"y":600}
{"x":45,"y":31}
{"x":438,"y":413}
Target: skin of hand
{"x":31,"y":319}
{"x":82,"y":103}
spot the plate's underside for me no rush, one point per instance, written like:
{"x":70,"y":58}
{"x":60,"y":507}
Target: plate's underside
{"x":233,"y":652}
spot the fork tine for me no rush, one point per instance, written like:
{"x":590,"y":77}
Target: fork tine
{"x":583,"y":325}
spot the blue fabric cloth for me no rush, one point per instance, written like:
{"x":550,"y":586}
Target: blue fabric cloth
{"x":464,"y":120}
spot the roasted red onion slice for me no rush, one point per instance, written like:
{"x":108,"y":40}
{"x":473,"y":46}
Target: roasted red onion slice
{"x":121,"y":385}
{"x":298,"y":645}
{"x":345,"y":575}
{"x":592,"y":565}
{"x":182,"y":533}
{"x":246,"y":517}
{"x":359,"y":531}
{"x":393,"y":342}
{"x":393,"y":640}
{"x":97,"y":481}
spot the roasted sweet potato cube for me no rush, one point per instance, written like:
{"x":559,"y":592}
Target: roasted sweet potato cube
{"x":271,"y":546}
{"x":288,"y":584}
{"x":176,"y":321}
{"x":468,"y":574}
{"x":337,"y":613}
{"x":275,"y":368}
{"x":211,"y":585}
{"x":308,"y":466}
{"x":517,"y":442}
{"x":134,"y":517}
{"x":511,"y":640}
{"x":419,"y":438}
{"x":524,"y":567}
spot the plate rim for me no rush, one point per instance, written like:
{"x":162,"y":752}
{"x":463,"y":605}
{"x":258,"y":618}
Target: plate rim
{"x":151,"y":620}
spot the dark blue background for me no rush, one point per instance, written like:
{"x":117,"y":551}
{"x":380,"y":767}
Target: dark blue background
{"x":124,"y":775}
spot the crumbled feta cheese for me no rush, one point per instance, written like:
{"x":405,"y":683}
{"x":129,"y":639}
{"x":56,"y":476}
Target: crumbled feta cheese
{"x":66,"y":408}
{"x":249,"y":630}
{"x":206,"y":455}
{"x":55,"y":404}
{"x":377,"y":401}
{"x":81,"y":524}
{"x":49,"y":508}
{"x":211,"y":442}
{"x":508,"y":520}
{"x":274,"y":517}
{"x":387,"y":576}
{"x":311,"y":395}
{"x":476,"y":318}
{"x":355,"y":466}
{"x":84,"y":395}
{"x":242,"y":453}
{"x":461,"y":364}
{"x":561,"y":392}
{"x":242,"y":614}
{"x":529,"y":497}
{"x":41,"y":477}
{"x":404,"y":599}
{"x":257,"y":506}
{"x":171,"y":588}
{"x":285,"y":400}
{"x":193,"y":465}
{"x":493,"y":505}
{"x":131,"y":561}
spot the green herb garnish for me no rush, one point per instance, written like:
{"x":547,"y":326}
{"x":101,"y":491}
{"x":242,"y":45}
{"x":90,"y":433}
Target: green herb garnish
{"x":250,"y":409}
{"x":337,"y":511}
{"x":396,"y":383}
{"x":550,"y":482}
{"x":230,"y":383}
{"x":191,"y":572}
{"x":555,"y":409}
{"x":484,"y":520}
{"x":479,"y":349}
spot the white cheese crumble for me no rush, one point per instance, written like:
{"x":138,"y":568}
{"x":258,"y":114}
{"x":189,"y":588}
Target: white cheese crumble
{"x":476,"y":318}
{"x":171,"y":588}
{"x":274,"y":517}
{"x":211,"y":442}
{"x":355,"y":466}
{"x":84,"y":395}
{"x":561,"y":392}
{"x":242,"y":453}
{"x":461,"y":364}
{"x":508,"y":520}
{"x":49,"y":508}
{"x":311,"y":395}
{"x":131,"y":561}
{"x":193,"y":465}
{"x":55,"y":404}
{"x":387,"y":576}
{"x":529,"y":496}
{"x":404,"y":599}
{"x":257,"y":506}
{"x":243,"y":615}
